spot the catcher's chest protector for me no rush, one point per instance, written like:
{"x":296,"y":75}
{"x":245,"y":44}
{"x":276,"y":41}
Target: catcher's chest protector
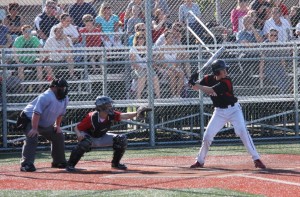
{"x":100,"y":128}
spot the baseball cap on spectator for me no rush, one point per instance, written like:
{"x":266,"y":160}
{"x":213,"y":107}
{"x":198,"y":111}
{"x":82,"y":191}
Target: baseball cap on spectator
{"x":13,"y":6}
{"x":50,"y":3}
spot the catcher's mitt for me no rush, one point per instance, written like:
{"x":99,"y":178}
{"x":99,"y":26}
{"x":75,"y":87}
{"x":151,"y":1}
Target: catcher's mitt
{"x":193,"y":78}
{"x":141,"y":112}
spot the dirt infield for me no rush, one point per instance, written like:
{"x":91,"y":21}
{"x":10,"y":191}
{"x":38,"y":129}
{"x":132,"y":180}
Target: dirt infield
{"x":282,"y":178}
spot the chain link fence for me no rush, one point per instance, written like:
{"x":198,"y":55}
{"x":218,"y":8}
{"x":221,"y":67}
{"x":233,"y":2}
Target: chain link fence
{"x":147,"y":61}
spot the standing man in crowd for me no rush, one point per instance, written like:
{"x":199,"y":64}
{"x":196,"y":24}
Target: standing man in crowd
{"x":43,"y":116}
{"x":227,"y":109}
{"x":92,"y":132}
{"x":46,"y":20}
{"x":78,"y":10}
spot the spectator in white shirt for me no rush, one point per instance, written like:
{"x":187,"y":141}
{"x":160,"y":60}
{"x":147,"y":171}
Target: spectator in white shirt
{"x":280,"y":24}
{"x":69,"y":29}
{"x":57,"y":49}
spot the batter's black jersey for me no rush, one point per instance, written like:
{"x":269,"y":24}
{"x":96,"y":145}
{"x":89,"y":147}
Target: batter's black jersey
{"x":223,"y":89}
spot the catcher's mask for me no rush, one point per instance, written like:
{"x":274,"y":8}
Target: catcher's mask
{"x":104,"y":103}
{"x":218,"y":65}
{"x":61,"y":87}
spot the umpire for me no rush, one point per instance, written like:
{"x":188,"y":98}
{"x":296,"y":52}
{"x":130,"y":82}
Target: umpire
{"x":43,"y":116}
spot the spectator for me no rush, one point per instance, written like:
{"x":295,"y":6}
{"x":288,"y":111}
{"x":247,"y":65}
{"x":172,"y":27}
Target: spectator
{"x":185,"y":17}
{"x":176,"y":30}
{"x":283,"y":9}
{"x":90,"y":40}
{"x":13,"y":20}
{"x":171,"y":69}
{"x":5,"y":37}
{"x":79,"y":9}
{"x":140,"y":27}
{"x":109,"y":23}
{"x":274,"y":70}
{"x":280,"y":24}
{"x":56,"y":45}
{"x":46,"y":20}
{"x":26,"y":41}
{"x":128,"y":12}
{"x":69,"y":29}
{"x":59,"y":11}
{"x":140,"y":69}
{"x":134,"y":19}
{"x":294,"y":17}
{"x":253,"y":14}
{"x":89,"y":27}
{"x":159,"y":24}
{"x":162,"y":5}
{"x":249,"y":35}
{"x":237,"y":14}
{"x":262,"y":9}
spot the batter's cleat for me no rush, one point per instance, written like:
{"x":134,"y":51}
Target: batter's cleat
{"x":27,"y":168}
{"x":70,"y":169}
{"x":197,"y":165}
{"x":259,"y":164}
{"x":58,"y":165}
{"x":119,"y":166}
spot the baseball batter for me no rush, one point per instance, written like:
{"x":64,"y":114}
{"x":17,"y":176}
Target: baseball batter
{"x":227,"y":109}
{"x":92,"y":132}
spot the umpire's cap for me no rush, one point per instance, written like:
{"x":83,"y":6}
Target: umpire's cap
{"x":103,"y":100}
{"x":218,"y":65}
{"x":58,"y":82}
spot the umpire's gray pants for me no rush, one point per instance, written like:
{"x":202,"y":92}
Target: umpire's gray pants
{"x":57,"y":145}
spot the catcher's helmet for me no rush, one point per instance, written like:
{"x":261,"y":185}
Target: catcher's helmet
{"x":218,"y":65}
{"x":103,"y":103}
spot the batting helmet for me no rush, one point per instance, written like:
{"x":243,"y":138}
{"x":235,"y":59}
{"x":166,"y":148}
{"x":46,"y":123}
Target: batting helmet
{"x":102,"y":102}
{"x":218,"y":65}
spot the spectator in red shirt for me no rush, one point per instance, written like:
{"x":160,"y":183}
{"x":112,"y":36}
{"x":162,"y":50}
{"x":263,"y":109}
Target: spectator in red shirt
{"x":92,"y":132}
{"x":278,"y":3}
{"x":237,"y":14}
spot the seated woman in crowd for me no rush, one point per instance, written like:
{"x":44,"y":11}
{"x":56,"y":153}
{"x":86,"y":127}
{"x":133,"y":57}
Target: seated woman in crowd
{"x":171,"y":70}
{"x":138,"y":53}
{"x":14,"y":21}
{"x":159,"y":24}
{"x":57,"y":46}
{"x":109,"y":23}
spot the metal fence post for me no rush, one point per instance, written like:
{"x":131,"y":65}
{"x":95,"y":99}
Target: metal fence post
{"x":4,"y":100}
{"x":149,"y":68}
{"x":200,"y":57}
{"x":296,"y":86}
{"x":104,"y":68}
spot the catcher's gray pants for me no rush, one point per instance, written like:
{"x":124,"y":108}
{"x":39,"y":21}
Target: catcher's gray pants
{"x":57,"y":145}
{"x":105,"y":140}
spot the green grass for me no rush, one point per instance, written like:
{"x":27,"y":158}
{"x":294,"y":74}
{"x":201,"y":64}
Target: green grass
{"x":211,"y":192}
{"x":44,"y":156}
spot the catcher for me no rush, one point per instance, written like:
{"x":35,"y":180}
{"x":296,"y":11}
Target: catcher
{"x":92,"y":132}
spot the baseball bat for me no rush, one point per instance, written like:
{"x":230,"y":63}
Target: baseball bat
{"x":213,"y":57}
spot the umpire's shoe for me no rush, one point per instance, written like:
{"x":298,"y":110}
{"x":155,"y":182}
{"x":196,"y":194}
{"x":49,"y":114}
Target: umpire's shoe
{"x":70,"y":168}
{"x":119,"y":166}
{"x":27,"y":168}
{"x":259,"y":164}
{"x":58,"y":165}
{"x":197,"y":165}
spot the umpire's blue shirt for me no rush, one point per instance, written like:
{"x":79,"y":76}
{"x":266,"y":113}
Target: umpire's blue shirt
{"x":48,"y":107}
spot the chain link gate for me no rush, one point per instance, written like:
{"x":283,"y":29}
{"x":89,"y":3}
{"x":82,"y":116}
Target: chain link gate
{"x":180,"y":114}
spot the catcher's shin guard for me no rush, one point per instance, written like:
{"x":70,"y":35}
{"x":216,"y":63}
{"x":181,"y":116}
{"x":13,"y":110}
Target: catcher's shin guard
{"x":76,"y":154}
{"x":119,"y":146}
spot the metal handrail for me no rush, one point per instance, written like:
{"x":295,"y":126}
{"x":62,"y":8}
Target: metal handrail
{"x":204,"y":26}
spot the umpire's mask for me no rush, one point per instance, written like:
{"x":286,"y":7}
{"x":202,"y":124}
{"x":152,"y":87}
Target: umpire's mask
{"x":61,"y":88}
